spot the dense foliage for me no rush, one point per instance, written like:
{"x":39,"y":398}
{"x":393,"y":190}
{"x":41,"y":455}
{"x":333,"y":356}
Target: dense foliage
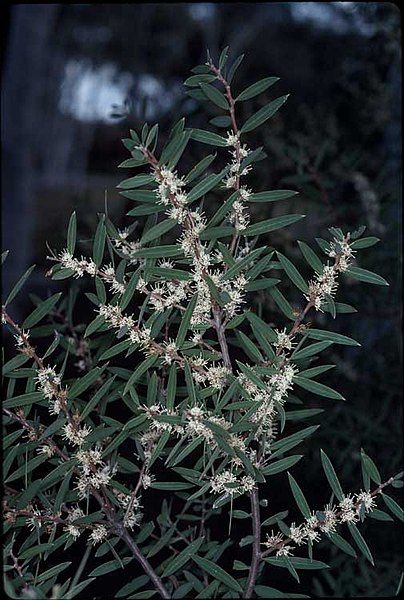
{"x":187,"y":396}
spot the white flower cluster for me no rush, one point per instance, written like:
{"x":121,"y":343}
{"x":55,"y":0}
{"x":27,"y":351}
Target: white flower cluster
{"x":71,"y":528}
{"x":165,"y":294}
{"x":21,"y":340}
{"x":98,"y":534}
{"x":94,"y":473}
{"x":113,"y":315}
{"x":350,"y":506}
{"x":79,"y":267}
{"x":325,"y":284}
{"x":47,"y":450}
{"x":33,"y":522}
{"x":283,"y":341}
{"x":275,"y":392}
{"x":227,"y":482}
{"x":215,"y":375}
{"x":75,"y":434}
{"x":238,"y":215}
{"x":49,"y":384}
{"x":193,"y":426}
{"x":326,"y":521}
{"x":282,"y":382}
{"x":126,"y":247}
{"x":342,"y":250}
{"x":235,"y":288}
{"x":170,"y":351}
{"x":133,"y":515}
{"x":109,"y":275}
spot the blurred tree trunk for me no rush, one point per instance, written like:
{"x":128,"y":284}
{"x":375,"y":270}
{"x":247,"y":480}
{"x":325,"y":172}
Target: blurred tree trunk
{"x":31,"y":28}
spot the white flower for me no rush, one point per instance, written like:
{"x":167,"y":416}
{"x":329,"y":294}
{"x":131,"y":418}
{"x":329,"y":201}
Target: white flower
{"x":232,"y":139}
{"x":227,"y":482}
{"x":348,"y":510}
{"x":366,"y":500}
{"x":147,"y":480}
{"x":98,"y":534}
{"x":47,"y":450}
{"x":298,"y":534}
{"x":217,"y":376}
{"x":75,"y":434}
{"x":273,"y":540}
{"x":72,"y":529}
{"x":283,"y":340}
{"x":34,"y":522}
{"x":285,"y":550}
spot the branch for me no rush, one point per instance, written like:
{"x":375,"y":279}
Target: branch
{"x":256,"y":546}
{"x":158,"y":584}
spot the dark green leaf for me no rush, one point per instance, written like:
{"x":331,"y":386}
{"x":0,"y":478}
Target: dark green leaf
{"x":263,"y":114}
{"x":44,"y":308}
{"x":271,"y":224}
{"x":256,"y":88}
{"x":331,"y":476}
{"x":299,"y":497}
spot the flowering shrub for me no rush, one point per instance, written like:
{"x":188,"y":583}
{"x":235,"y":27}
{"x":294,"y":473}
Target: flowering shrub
{"x":206,"y":386}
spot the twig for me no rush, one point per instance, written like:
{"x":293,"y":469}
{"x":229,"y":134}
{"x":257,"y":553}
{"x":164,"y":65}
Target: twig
{"x":256,"y":545}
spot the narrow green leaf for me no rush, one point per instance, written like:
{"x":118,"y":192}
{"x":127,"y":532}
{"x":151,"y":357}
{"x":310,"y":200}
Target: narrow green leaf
{"x":208,"y":137}
{"x":271,"y":224}
{"x":135,"y":182}
{"x":23,"y":400}
{"x":393,"y":506}
{"x":311,"y":257}
{"x":199,"y":168}
{"x":370,"y":468}
{"x":71,"y":233}
{"x":158,"y":230}
{"x":83,"y":383}
{"x":159,"y":252}
{"x":44,"y":308}
{"x":282,"y":303}
{"x":256,"y":88}
{"x":366,"y":276}
{"x":297,"y":563}
{"x":263,"y":114}
{"x":281,"y":465}
{"x":271,"y":195}
{"x":299,"y":497}
{"x":214,"y":95}
{"x":293,"y":273}
{"x":182,"y":558}
{"x":341,"y":543}
{"x":111,"y":565}
{"x":195,"y":80}
{"x":172,"y":386}
{"x":206,"y":185}
{"x":14,"y":291}
{"x":331,"y":476}
{"x":310,"y":350}
{"x":317,"y":388}
{"x":99,"y":242}
{"x":360,"y":542}
{"x":337,"y":338}
{"x":34,"y":551}
{"x":171,"y":486}
{"x":185,"y":322}
{"x":364,"y":243}
{"x":217,"y":572}
{"x":138,"y":372}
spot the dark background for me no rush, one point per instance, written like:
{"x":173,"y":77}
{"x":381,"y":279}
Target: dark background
{"x":337,"y":141}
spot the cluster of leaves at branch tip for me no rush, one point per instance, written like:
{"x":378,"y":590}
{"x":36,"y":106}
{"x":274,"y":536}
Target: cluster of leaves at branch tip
{"x":209,"y":389}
